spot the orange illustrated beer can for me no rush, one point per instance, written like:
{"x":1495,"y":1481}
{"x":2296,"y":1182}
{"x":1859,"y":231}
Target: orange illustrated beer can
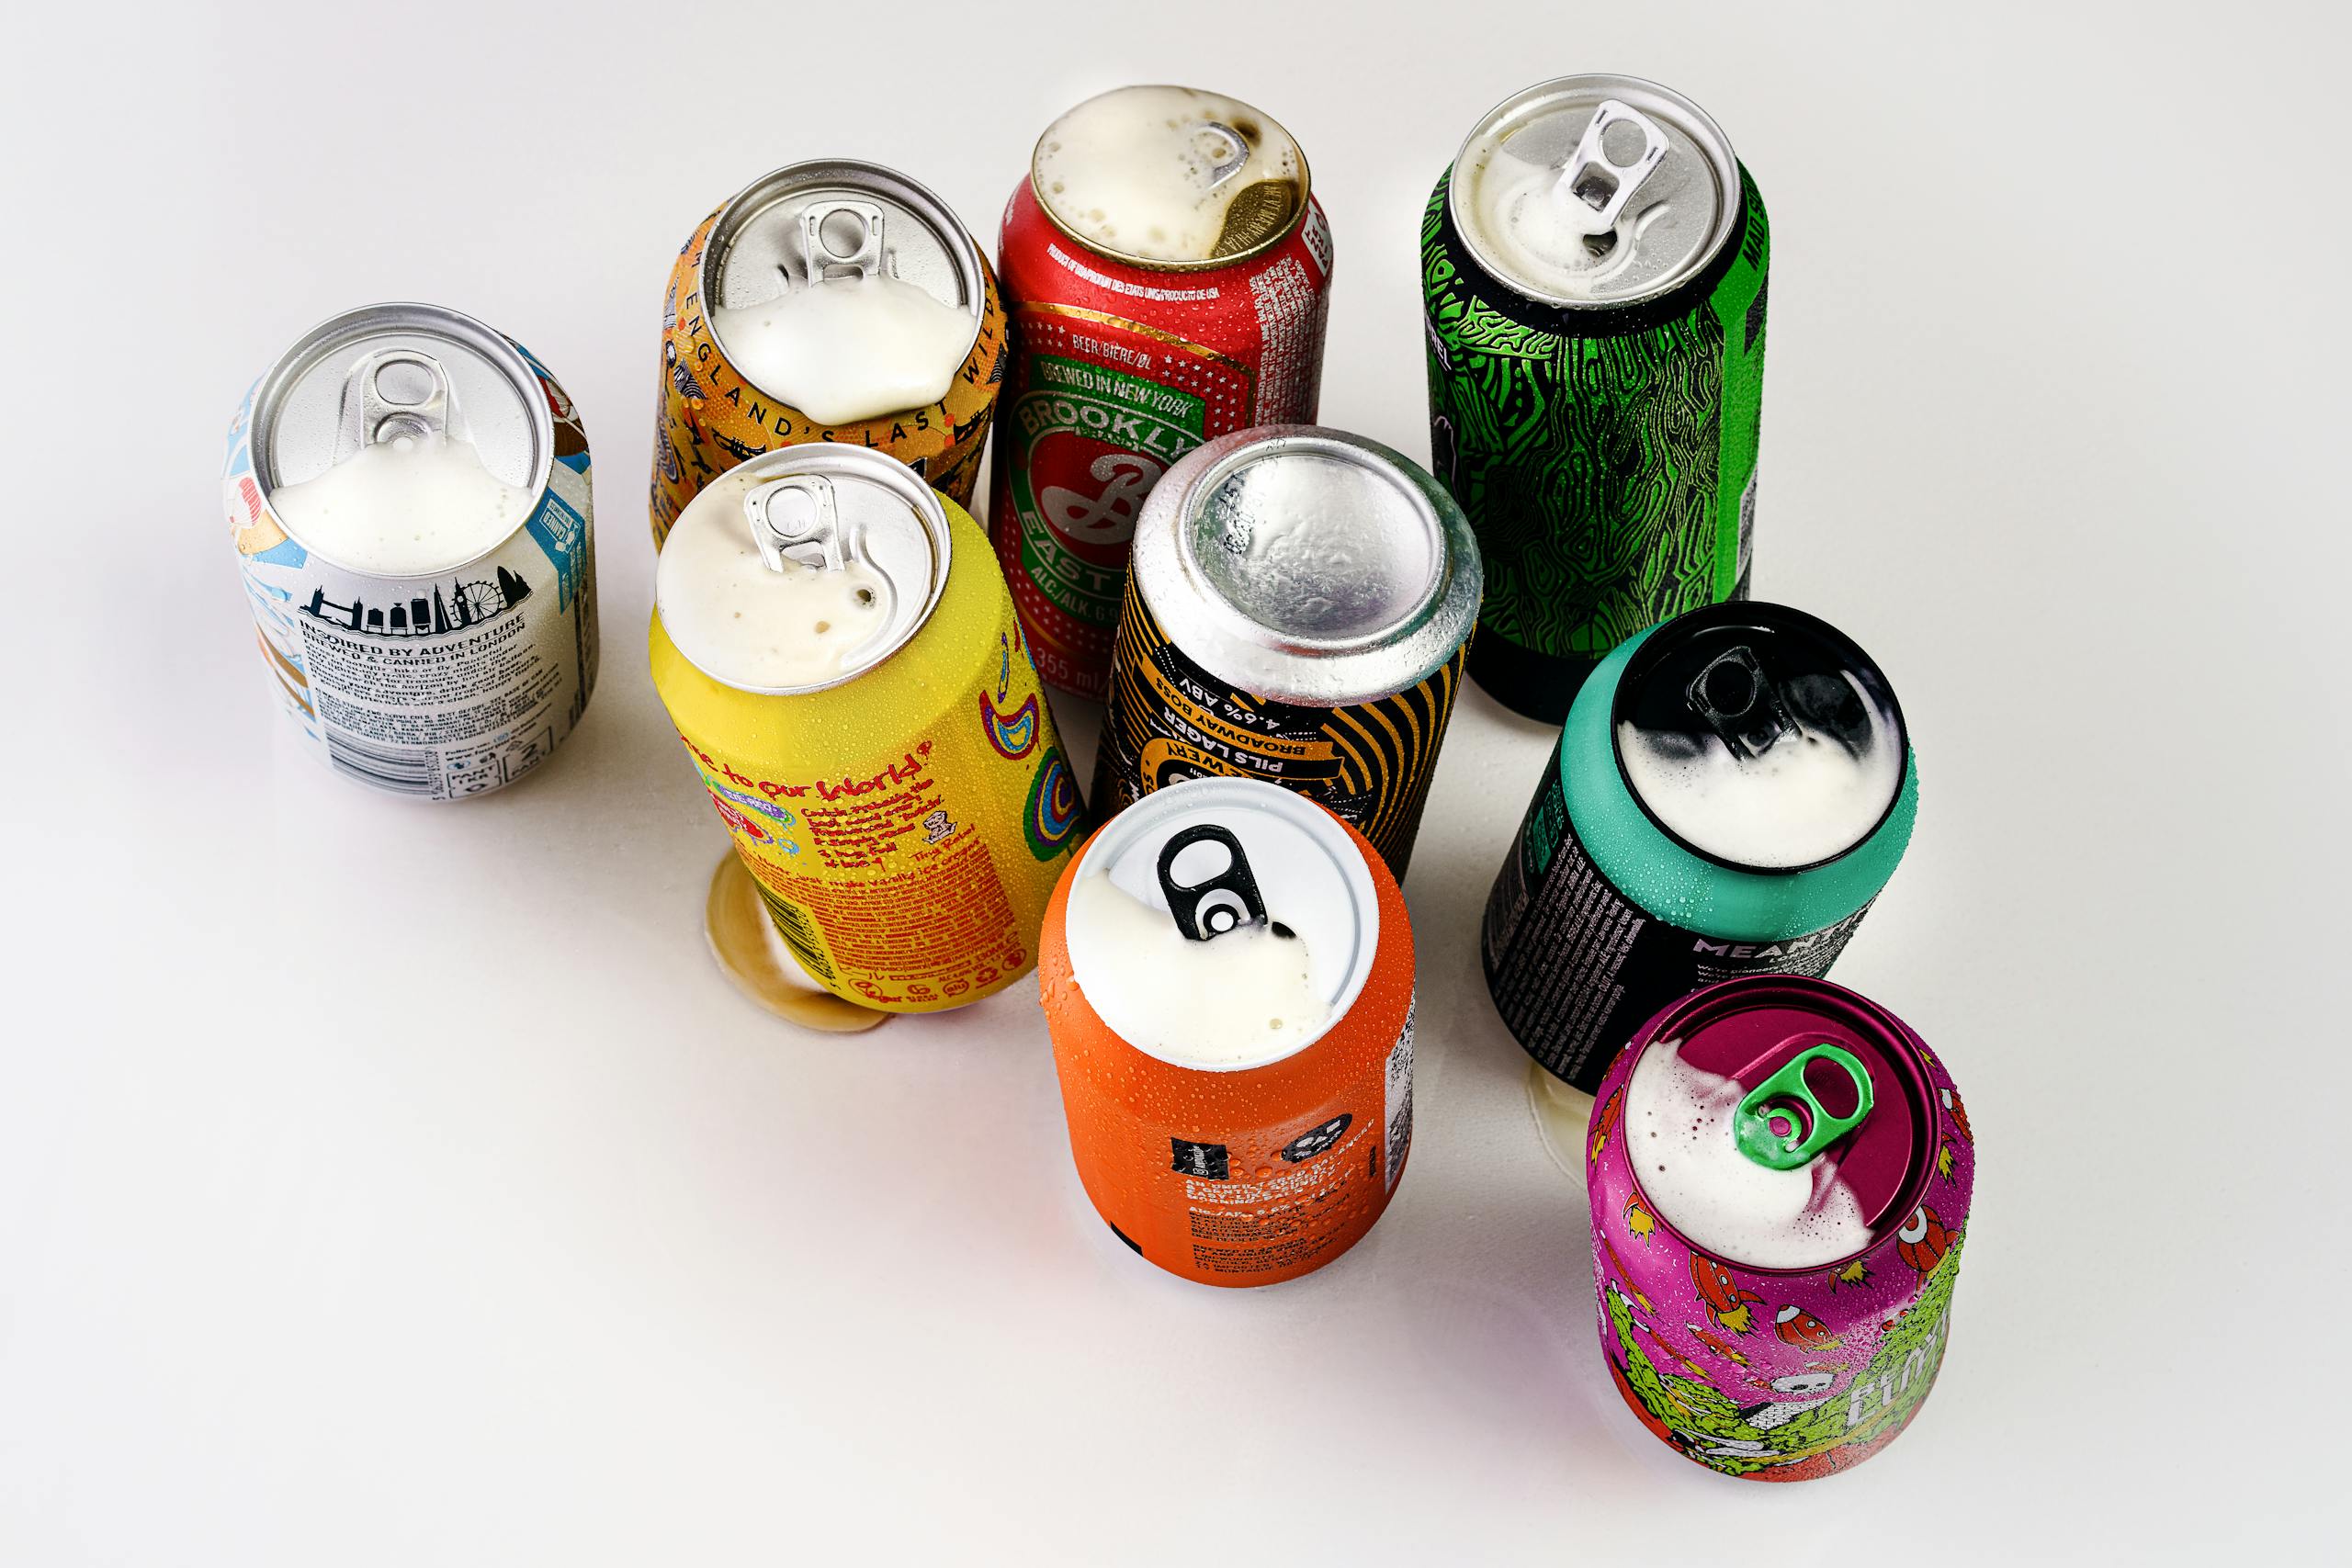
{"x":835,"y":301}
{"x":839,"y":655}
{"x":1227,"y":977}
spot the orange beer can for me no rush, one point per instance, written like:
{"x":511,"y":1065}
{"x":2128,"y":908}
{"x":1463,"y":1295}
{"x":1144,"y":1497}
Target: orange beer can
{"x":776,"y":310}
{"x":1228,"y":976}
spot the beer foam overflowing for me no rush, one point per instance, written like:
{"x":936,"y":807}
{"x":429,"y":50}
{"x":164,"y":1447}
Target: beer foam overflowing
{"x":1240,"y":996}
{"x":1679,"y":1138}
{"x":848,"y":348}
{"x":1136,"y":172}
{"x":1808,"y":797}
{"x":747,"y":625}
{"x":1549,"y":236}
{"x":407,"y":507}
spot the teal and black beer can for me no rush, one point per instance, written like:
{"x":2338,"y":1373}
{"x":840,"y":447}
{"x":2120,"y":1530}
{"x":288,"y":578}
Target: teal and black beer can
{"x":1593,"y":282}
{"x":1730,"y":793}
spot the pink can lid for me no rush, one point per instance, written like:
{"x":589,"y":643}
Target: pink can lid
{"x":1749,"y":1029}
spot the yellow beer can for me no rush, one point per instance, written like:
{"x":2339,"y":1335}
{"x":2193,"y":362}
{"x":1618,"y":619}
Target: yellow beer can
{"x":840,"y":655}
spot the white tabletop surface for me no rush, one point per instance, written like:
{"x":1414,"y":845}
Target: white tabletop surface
{"x":386,"y":1184}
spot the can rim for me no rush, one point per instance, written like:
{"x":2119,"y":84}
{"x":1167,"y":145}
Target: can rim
{"x":1330,"y":834}
{"x":1628,"y":849}
{"x":1443,"y":614}
{"x":1732,"y":607}
{"x":1721,"y":158}
{"x":390,"y":316}
{"x":1145,"y":263}
{"x":880,"y":179}
{"x":833,"y":460}
{"x":1894,"y":1038}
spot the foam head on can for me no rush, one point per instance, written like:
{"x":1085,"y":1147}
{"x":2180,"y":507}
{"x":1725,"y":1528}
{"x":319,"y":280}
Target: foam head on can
{"x":1596,"y":191}
{"x":838,"y":217}
{"x":1780,"y":1174}
{"x":1228,"y":978}
{"x":1170,"y":178}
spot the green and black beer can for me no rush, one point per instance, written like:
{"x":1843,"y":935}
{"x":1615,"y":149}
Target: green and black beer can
{"x":1593,"y":282}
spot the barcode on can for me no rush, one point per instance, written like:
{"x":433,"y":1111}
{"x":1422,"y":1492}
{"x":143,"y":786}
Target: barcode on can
{"x":402,"y":769}
{"x":800,"y":933}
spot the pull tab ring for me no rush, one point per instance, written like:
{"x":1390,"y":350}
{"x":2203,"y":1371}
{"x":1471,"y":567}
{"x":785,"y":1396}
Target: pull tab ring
{"x":1234,"y":160}
{"x":820,"y":261}
{"x":1783,"y":1097}
{"x":1740,"y":702}
{"x":793,"y":520}
{"x":1599,"y":182}
{"x":1222,"y":903}
{"x":391,"y":393}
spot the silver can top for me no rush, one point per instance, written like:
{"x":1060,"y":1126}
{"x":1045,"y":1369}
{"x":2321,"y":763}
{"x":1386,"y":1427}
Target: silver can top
{"x":1301,"y":866}
{"x":1307,"y":564}
{"x":1593,"y":191}
{"x":838,"y":217}
{"x":818,"y":524}
{"x":382,"y":371}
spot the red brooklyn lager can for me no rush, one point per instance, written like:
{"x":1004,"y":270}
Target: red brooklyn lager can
{"x":1167,"y":272}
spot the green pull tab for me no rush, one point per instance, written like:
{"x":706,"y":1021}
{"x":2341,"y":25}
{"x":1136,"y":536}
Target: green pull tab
{"x":1752,"y":1125}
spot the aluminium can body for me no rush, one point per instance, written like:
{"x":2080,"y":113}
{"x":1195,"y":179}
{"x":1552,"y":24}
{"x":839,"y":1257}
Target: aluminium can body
{"x":904,"y":826}
{"x":438,"y":686}
{"x":1299,"y":610}
{"x":708,"y":418}
{"x":1262,"y":1171}
{"x":1783,"y":1374}
{"x":1600,"y":915}
{"x":1119,"y":370}
{"x":1605,"y":451}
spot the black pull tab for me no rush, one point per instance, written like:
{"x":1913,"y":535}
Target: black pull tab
{"x":1224,"y":902}
{"x":1740,"y":702}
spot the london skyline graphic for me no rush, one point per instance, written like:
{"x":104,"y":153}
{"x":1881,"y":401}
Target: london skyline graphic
{"x":461,"y":602}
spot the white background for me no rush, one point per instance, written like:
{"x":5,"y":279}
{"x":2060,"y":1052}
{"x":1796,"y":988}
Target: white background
{"x":383,"y":1184}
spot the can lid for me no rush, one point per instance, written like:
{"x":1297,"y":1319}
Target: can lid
{"x":1757,"y":737}
{"x":837,"y":217}
{"x":833,"y":508}
{"x":1307,"y":564}
{"x":1298,"y":864}
{"x":1595,"y":190}
{"x":384,"y":371}
{"x":1170,"y":178}
{"x":1753,"y":1031}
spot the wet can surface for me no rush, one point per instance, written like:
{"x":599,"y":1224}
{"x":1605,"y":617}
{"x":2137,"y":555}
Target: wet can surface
{"x":1660,"y":854}
{"x":905,"y":815}
{"x":1234,"y":1163}
{"x":1299,"y":609}
{"x":804,"y":224}
{"x":1593,"y":285}
{"x":433,"y":680}
{"x":1776,"y":1372}
{"x":1124,"y":363}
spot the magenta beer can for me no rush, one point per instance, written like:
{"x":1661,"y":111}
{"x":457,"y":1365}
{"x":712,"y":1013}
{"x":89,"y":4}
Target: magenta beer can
{"x":1779,"y":1173}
